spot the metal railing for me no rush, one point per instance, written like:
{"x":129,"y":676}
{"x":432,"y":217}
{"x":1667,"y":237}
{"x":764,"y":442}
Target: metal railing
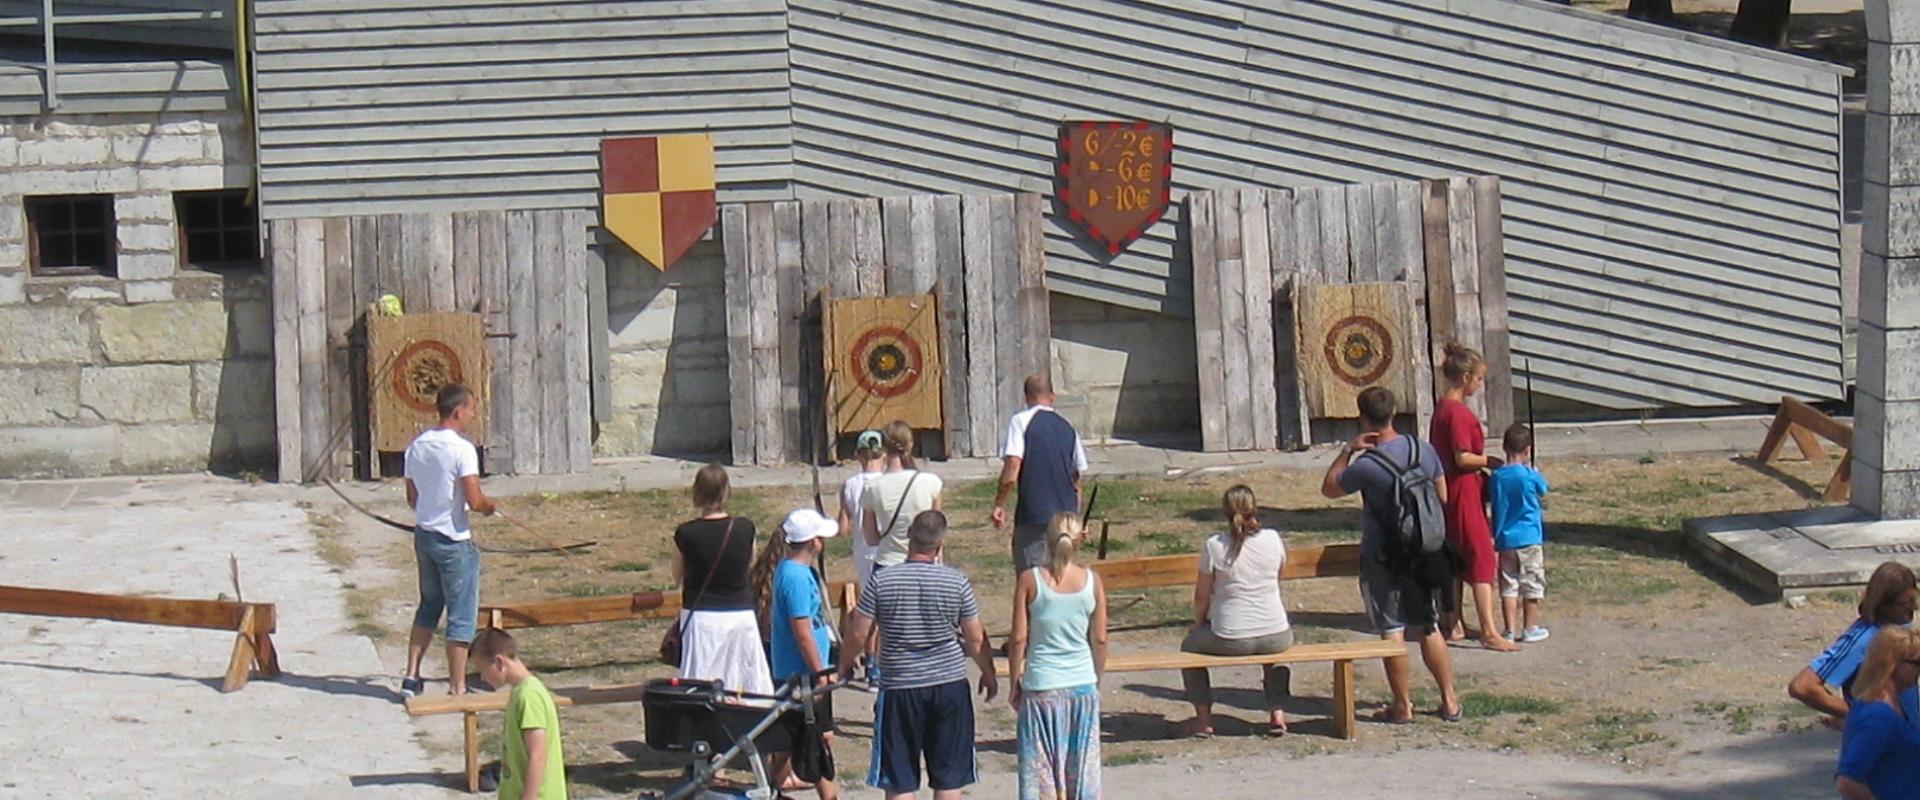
{"x":47,"y":20}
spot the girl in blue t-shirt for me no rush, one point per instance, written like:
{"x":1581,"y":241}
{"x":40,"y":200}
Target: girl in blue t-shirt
{"x":1881,"y":746}
{"x":1889,"y":599}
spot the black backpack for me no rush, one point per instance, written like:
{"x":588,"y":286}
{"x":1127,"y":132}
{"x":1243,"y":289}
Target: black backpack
{"x":1412,"y":520}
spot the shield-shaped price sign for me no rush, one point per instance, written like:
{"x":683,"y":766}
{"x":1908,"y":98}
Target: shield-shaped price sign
{"x":1115,"y":178}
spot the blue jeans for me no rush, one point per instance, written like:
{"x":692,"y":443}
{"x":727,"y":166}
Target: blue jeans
{"x":449,"y":582}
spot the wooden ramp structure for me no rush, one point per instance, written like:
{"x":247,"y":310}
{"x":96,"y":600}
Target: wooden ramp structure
{"x":253,"y":624}
{"x":1802,"y":423}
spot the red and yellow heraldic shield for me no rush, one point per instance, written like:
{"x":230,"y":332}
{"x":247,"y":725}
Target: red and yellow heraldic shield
{"x":657,"y":193}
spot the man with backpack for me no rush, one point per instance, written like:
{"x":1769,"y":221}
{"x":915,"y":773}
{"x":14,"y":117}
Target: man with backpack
{"x":1404,"y":563}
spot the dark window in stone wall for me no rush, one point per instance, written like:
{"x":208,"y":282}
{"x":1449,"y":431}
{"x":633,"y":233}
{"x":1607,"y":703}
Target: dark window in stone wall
{"x":71,"y":234}
{"x":219,"y":230}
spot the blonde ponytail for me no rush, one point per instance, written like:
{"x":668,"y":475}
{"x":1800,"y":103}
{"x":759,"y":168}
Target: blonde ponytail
{"x":1063,"y":535}
{"x":897,"y":438}
{"x":1459,"y":362}
{"x":1243,"y":520}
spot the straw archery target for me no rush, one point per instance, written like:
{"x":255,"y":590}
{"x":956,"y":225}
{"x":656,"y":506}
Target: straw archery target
{"x":1359,"y":350}
{"x":409,"y":358}
{"x":1353,"y":336}
{"x":884,"y":362}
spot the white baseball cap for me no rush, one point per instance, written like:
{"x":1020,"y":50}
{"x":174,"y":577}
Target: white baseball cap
{"x":806,"y":524}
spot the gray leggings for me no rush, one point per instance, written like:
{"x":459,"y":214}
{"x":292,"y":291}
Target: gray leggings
{"x":1277,"y":678}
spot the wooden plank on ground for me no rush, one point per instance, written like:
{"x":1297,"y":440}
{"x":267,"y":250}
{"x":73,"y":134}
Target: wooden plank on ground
{"x":221,"y":615}
{"x":1464,"y":251}
{"x":950,"y":295}
{"x":338,"y":450}
{"x":1231,"y":287}
{"x":495,"y":298}
{"x":1256,"y":246}
{"x":1490,"y":246}
{"x":550,"y":332}
{"x":1208,"y":329}
{"x":285,"y":288}
{"x":315,"y":422}
{"x":523,"y":316}
{"x":739,"y":299}
{"x":790,"y":307}
{"x":1438,"y":263}
{"x":976,"y":216}
{"x":763,"y":326}
{"x":574,"y":342}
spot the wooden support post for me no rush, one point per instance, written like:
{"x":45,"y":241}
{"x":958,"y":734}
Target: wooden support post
{"x":471,"y":721}
{"x":1840,"y":487}
{"x":1343,"y":717}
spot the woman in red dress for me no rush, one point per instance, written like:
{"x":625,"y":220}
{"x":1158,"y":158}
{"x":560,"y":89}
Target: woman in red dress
{"x":1458,"y":435}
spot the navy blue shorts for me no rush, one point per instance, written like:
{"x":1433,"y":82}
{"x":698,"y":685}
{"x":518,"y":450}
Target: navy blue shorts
{"x":934,"y":723}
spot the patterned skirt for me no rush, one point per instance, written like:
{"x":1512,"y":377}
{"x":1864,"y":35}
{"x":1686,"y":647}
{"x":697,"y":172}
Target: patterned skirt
{"x":1060,"y":744}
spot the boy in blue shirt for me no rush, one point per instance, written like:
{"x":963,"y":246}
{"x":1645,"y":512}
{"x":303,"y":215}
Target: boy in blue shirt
{"x":1515,"y":490}
{"x":802,"y":643}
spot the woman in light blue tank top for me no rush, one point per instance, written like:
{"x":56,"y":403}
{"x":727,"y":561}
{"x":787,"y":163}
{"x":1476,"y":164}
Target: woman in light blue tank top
{"x":1055,"y":656}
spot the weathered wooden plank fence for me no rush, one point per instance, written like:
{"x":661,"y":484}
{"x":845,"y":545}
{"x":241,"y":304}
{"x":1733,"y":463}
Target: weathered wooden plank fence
{"x":526,"y":272}
{"x":979,"y":255}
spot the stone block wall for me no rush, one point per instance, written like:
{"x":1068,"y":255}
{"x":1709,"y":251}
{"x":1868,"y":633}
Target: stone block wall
{"x":1123,"y":374}
{"x":1886,"y":468}
{"x":159,"y":368}
{"x":667,"y":349}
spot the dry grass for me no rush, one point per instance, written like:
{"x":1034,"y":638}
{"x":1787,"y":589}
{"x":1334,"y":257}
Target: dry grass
{"x":1621,"y":680}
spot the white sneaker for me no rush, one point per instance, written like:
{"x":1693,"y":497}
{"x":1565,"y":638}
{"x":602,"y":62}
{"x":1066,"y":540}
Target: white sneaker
{"x":1537,"y":633}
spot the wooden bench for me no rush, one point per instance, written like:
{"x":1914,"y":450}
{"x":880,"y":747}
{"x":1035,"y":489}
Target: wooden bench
{"x":1802,"y":422}
{"x":1153,"y":572}
{"x":252,"y":624}
{"x":1341,"y":654}
{"x":571,"y":611}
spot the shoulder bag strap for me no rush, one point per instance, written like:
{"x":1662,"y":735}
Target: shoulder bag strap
{"x":904,"y":493}
{"x":715,"y":566}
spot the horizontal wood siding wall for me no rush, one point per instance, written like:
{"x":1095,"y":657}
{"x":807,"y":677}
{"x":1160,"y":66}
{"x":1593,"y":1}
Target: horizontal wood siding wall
{"x":153,"y":87}
{"x":1671,"y":208}
{"x":379,"y":107}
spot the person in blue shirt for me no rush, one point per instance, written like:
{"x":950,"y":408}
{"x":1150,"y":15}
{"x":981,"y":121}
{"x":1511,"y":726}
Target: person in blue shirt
{"x":1519,"y":532}
{"x":802,"y":642}
{"x":1881,"y":746}
{"x":1889,"y":599}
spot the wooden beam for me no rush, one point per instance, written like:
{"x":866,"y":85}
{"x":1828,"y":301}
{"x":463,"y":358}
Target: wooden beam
{"x":223,"y":615}
{"x":1343,"y":717}
{"x":608,"y":608}
{"x":1297,"y":654}
{"x":1322,"y":561}
{"x":1812,"y":419}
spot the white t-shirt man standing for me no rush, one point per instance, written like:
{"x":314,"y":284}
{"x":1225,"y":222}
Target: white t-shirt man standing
{"x":443,"y":483}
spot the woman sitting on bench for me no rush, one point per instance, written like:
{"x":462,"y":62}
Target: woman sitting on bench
{"x":1237,"y":609}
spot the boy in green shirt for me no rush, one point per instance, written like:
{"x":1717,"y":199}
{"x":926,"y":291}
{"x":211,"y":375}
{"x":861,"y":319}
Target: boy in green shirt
{"x":532,"y":764}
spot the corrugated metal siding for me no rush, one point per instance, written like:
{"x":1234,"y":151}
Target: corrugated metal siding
{"x":1672,"y":202}
{"x":376,"y":106}
{"x":152,"y":87}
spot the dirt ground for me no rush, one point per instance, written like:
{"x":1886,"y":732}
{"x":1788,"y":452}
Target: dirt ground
{"x":1655,"y":658}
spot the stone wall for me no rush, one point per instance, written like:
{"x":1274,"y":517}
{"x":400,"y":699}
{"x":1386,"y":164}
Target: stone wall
{"x":668,"y":354}
{"x":1886,"y":472}
{"x":157,"y":369}
{"x":1123,"y":374}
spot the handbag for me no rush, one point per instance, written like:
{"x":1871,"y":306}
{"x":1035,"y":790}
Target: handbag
{"x":670,"y":644}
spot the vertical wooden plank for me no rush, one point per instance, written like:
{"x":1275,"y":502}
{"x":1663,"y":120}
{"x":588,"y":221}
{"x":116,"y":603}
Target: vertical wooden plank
{"x":1420,"y":366}
{"x":284,"y":283}
{"x":466,"y":261}
{"x":869,"y":254}
{"x":1306,"y":233}
{"x":338,"y":234}
{"x":896,"y":225}
{"x":842,"y":274}
{"x":1397,"y":205}
{"x":1011,"y":364}
{"x":416,"y":269}
{"x":1294,"y":428}
{"x":982,"y":347}
{"x":523,"y":319}
{"x":769,"y":426}
{"x":1362,"y":248}
{"x":1409,"y":199}
{"x":391,"y":267}
{"x":816,"y":273}
{"x":1438,"y":262}
{"x":494,"y":299}
{"x":550,"y":282}
{"x":950,"y":287}
{"x":923,"y":261}
{"x":1231,"y":288}
{"x":599,"y":346}
{"x":1257,"y":261}
{"x":366,"y":281}
{"x":310,"y":257}
{"x":788,"y":277}
{"x":439,"y":243}
{"x":1336,"y":259}
{"x":579,"y":409}
{"x":1490,"y":244}
{"x":740,"y":372}
{"x":1032,"y":306}
{"x":1207,"y":330}
{"x":1464,"y":251}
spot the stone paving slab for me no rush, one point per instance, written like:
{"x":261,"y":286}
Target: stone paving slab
{"x":1795,"y":552}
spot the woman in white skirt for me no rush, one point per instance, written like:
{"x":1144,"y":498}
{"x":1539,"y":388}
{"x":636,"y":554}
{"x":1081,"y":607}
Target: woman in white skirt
{"x":712,"y":556}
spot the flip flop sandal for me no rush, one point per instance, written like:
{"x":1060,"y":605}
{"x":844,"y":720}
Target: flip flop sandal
{"x":1276,"y":731}
{"x":1387,"y":718}
{"x":1453,"y":717}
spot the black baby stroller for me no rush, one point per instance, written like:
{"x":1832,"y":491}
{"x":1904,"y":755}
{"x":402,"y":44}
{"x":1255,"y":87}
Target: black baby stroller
{"x":698,"y":716}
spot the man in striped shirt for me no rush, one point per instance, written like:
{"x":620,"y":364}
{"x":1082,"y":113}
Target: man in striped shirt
{"x":929,"y":624}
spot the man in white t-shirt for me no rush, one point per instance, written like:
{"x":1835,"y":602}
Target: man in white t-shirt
{"x":443,"y":482}
{"x":1044,"y":459}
